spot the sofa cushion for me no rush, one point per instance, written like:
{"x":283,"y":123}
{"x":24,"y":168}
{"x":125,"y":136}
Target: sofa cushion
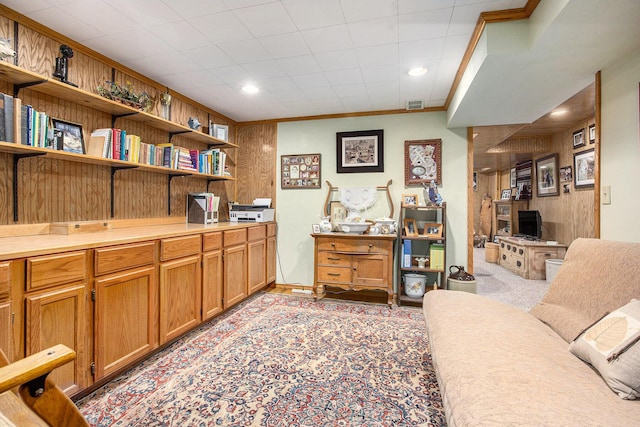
{"x":611,"y":346}
{"x":596,"y":277}
{"x":500,"y":366}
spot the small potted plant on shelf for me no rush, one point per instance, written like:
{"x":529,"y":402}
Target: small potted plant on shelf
{"x":126,"y":95}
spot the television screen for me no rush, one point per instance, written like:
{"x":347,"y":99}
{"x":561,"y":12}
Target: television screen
{"x":530,"y":224}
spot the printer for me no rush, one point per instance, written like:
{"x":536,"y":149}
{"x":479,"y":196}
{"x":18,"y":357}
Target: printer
{"x":259,"y":211}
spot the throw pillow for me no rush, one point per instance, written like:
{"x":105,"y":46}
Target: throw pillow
{"x":612,"y":347}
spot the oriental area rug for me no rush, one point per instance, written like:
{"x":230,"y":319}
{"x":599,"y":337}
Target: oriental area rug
{"x":277,"y":360}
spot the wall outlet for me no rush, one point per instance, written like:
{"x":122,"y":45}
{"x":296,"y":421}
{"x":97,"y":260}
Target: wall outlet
{"x":606,"y":195}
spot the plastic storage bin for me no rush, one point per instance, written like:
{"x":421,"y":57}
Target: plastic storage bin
{"x":551,"y":268}
{"x":491,"y":252}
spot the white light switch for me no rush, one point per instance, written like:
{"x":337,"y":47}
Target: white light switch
{"x":606,"y":195}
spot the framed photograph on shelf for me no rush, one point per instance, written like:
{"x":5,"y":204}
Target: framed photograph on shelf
{"x":410,"y":227}
{"x":513,"y":177}
{"x":360,"y":151}
{"x":220,"y":131}
{"x":592,"y":134}
{"x":315,"y":228}
{"x":409,"y":200}
{"x":584,"y":167}
{"x":505,"y":194}
{"x":578,"y":138}
{"x":300,"y":171}
{"x":432,"y":230}
{"x":423,"y":161}
{"x":72,"y":139}
{"x":547,"y":176}
{"x":337,"y":214}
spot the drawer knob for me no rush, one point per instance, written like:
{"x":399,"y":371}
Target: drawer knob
{"x":521,"y":251}
{"x":519,"y":264}
{"x":370,"y":245}
{"x":333,"y":274}
{"x":504,"y":256}
{"x":333,"y":244}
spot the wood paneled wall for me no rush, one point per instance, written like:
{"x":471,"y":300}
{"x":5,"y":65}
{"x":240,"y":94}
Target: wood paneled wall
{"x":257,"y":162}
{"x":58,"y":190}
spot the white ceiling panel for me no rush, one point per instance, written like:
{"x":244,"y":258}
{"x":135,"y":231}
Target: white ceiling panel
{"x":326,"y":39}
{"x":253,"y":18}
{"x":374,"y":32}
{"x":314,"y":14}
{"x":285,"y":45}
{"x":363,"y":10}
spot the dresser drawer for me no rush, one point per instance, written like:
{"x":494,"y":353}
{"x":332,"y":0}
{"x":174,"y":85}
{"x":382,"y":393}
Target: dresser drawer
{"x":179,"y":247}
{"x":334,"y":274}
{"x":5,"y":280}
{"x":51,"y":270}
{"x":334,"y":258}
{"x":125,"y":257}
{"x":211,"y":241}
{"x":256,"y":233}
{"x":361,"y":246}
{"x":271,"y":229}
{"x":235,"y":237}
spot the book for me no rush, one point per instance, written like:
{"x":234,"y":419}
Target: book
{"x":436,"y":256}
{"x":406,"y":253}
{"x":8,"y":117}
{"x":17,"y":120}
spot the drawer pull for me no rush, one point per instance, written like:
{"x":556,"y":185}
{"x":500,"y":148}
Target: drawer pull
{"x":333,"y":244}
{"x":334,"y":258}
{"x":519,"y":264}
{"x":333,"y":274}
{"x":370,"y":245}
{"x":521,"y":251}
{"x":504,"y":256}
{"x":514,"y":249}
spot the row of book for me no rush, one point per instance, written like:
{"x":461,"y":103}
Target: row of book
{"x":436,"y":255}
{"x":113,"y":143}
{"x":22,"y":124}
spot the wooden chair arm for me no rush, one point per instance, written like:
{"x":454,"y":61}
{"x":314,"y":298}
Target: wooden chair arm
{"x":36,"y":366}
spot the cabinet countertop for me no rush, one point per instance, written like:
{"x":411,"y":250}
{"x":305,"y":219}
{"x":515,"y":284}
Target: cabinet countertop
{"x":42,"y":244}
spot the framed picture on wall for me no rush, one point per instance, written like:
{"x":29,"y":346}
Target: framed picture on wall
{"x":578,"y":138}
{"x":584,"y":167}
{"x":513,"y":177}
{"x":592,"y":134}
{"x":547,"y":176}
{"x":300,"y":171}
{"x":360,"y":151}
{"x":423,"y":162}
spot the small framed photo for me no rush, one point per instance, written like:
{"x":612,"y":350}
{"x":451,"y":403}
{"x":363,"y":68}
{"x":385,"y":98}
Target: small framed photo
{"x":513,"y":177}
{"x":432,"y":230}
{"x":315,"y":228}
{"x":547,"y":176}
{"x":337,"y":214}
{"x":578,"y":138}
{"x":360,"y":151}
{"x":410,"y":227}
{"x":72,"y":139}
{"x":592,"y":134}
{"x":300,"y":171}
{"x":505,"y":194}
{"x":219,"y":131}
{"x":566,"y":174}
{"x":584,"y":166}
{"x":409,"y":200}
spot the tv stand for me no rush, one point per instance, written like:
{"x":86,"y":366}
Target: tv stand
{"x":527,"y":257}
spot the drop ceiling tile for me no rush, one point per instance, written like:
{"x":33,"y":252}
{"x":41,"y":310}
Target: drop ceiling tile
{"x":327,"y":105}
{"x":345,"y":77}
{"x":179,"y":35}
{"x":189,"y":9}
{"x":317,"y":93}
{"x":233,"y":75}
{"x":362,"y":10}
{"x":147,"y":13}
{"x":295,"y":66}
{"x":351,"y":90}
{"x":222,"y":27}
{"x":264,"y":70}
{"x":266,"y":20}
{"x":355,"y":104}
{"x":245,"y":51}
{"x":337,"y":59}
{"x":326,"y":39}
{"x":70,"y":26}
{"x":374,"y":32}
{"x":129,"y":46}
{"x":378,"y":55}
{"x":27,"y":8}
{"x":464,"y":18}
{"x":279,"y":84}
{"x":239,"y":4}
{"x":162,"y":65}
{"x":413,"y":6}
{"x":98,"y":15}
{"x":425,"y":25}
{"x":420,"y":52}
{"x":380,"y":73}
{"x":285,"y":45}
{"x":314,"y":14}
{"x":314,"y":80}
{"x":195,"y":79}
{"x":455,"y":46}
{"x":209,"y":56}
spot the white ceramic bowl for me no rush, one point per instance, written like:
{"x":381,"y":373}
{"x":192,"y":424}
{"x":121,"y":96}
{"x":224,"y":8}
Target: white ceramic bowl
{"x":354,"y":227}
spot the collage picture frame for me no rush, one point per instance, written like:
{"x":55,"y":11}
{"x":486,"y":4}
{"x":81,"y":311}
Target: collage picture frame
{"x":300,"y":171}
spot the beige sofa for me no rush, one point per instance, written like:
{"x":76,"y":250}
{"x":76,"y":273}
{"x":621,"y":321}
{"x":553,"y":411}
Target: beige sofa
{"x":500,"y":366}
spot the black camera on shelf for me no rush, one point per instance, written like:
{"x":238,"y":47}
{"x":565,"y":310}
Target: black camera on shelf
{"x":62,"y":65}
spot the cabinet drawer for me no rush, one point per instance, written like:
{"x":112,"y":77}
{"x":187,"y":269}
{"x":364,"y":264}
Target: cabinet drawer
{"x":334,"y":274}
{"x":333,"y":258}
{"x":354,"y":246}
{"x":51,"y":270}
{"x":178,"y":247}
{"x":256,"y":233}
{"x":211,"y":241}
{"x":271,"y":230}
{"x":119,"y":258}
{"x":5,"y":280}
{"x":234,"y":237}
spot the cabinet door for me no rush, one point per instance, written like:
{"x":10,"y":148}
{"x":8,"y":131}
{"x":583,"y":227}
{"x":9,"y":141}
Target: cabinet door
{"x":235,"y":275}
{"x":256,"y":263}
{"x":180,"y":297}
{"x":126,"y":318}
{"x":6,"y":330}
{"x":271,"y":259}
{"x":211,"y":284}
{"x":371,"y":270}
{"x":58,"y":317}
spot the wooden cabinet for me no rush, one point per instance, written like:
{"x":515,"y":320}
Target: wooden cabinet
{"x":180,"y":286}
{"x":211,"y":275}
{"x":527,"y":258}
{"x":353,"y":262}
{"x":505,"y":216}
{"x":6,"y":311}
{"x":256,"y":258}
{"x":271,"y":253}
{"x":235,"y":267}
{"x":422,"y":234}
{"x":126,"y":313}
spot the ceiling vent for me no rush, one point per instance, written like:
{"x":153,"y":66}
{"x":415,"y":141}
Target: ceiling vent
{"x":415,"y":105}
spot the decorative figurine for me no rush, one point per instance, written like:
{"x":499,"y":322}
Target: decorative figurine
{"x":165,"y":101}
{"x":62,"y":65}
{"x":194,"y":123}
{"x":5,"y":49}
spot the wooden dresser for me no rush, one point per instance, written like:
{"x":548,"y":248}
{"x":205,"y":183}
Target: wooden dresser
{"x":527,"y":257}
{"x":353,"y":262}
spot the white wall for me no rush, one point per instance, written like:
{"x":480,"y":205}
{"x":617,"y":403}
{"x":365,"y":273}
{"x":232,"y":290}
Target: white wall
{"x":620,"y":149}
{"x":299,"y":209}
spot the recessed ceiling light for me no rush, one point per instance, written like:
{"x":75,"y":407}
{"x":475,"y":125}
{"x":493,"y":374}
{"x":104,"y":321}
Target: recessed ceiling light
{"x":249,"y":88}
{"x":558,"y":112}
{"x":418,"y":71}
